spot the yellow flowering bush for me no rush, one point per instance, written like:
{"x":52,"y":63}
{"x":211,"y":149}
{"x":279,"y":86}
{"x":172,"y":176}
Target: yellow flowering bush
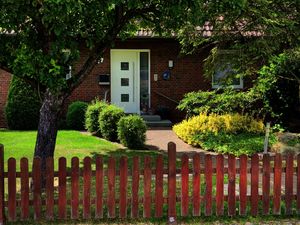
{"x":214,"y":124}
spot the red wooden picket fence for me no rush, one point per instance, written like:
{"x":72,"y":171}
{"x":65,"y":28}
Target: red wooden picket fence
{"x":200,"y":185}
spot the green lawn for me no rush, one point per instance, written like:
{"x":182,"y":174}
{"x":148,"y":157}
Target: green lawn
{"x":20,"y":144}
{"x":213,"y":220}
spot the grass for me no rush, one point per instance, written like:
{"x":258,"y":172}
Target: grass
{"x":188,"y":220}
{"x":69,"y":144}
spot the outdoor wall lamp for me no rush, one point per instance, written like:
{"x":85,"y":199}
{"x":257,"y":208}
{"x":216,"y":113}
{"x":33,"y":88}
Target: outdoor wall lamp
{"x":101,"y":60}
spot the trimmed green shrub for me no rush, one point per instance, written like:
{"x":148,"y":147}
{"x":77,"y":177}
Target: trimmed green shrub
{"x":108,"y":120}
{"x":222,"y":102}
{"x":132,"y":131}
{"x":23,"y":106}
{"x":92,"y":116}
{"x":76,"y":115}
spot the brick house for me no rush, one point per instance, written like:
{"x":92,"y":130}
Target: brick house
{"x":142,"y":75}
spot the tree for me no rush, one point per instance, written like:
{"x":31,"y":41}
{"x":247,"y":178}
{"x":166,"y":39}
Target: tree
{"x":40,"y":39}
{"x":255,"y":30}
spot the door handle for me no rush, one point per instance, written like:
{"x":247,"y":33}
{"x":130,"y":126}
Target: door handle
{"x":133,"y":77}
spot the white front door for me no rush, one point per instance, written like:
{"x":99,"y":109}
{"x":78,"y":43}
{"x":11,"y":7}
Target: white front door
{"x":125,"y":81}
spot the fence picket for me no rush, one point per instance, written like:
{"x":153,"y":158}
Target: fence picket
{"x":266,"y":184}
{"x":123,"y":187}
{"x":147,"y":187}
{"x":2,"y":191}
{"x":277,"y":184}
{"x":87,"y":174}
{"x":243,"y":184}
{"x":111,"y":197}
{"x":298,"y":183}
{"x":24,"y":189}
{"x":208,"y":184}
{"x":49,"y":188}
{"x":75,"y":187}
{"x":220,"y":185}
{"x":135,"y":188}
{"x":62,"y":189}
{"x":184,"y":185}
{"x":254,"y":184}
{"x":289,"y":173}
{"x":99,"y":187}
{"x":231,"y":184}
{"x":36,"y":178}
{"x":12,"y":202}
{"x":196,"y":185}
{"x":159,"y":183}
{"x":171,"y":180}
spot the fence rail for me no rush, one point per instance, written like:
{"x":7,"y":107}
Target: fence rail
{"x":186,"y":186}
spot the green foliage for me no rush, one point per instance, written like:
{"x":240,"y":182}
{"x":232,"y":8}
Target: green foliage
{"x":92,"y":116}
{"x":108,"y":120}
{"x":257,"y":30}
{"x":75,"y":115}
{"x":278,"y":82}
{"x":222,"y":102}
{"x":293,"y":142}
{"x":23,"y":105}
{"x":132,"y":131}
{"x":236,"y":144}
{"x":200,"y":130}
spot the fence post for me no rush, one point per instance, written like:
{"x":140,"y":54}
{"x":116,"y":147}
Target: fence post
{"x":172,"y":183}
{"x":2,"y":215}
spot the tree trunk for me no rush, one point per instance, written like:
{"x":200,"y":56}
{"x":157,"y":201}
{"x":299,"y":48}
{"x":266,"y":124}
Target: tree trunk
{"x":48,"y":125}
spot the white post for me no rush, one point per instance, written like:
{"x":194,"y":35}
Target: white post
{"x":267,"y":137}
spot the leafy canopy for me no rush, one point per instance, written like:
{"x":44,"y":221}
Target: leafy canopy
{"x":254,"y":30}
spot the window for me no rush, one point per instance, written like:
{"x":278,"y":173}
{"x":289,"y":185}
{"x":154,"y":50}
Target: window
{"x":225,"y":77}
{"x":124,"y":65}
{"x":224,"y":74}
{"x":124,"y":97}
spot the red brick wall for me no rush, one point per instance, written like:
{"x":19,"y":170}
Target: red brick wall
{"x":4,"y":85}
{"x":186,"y":75}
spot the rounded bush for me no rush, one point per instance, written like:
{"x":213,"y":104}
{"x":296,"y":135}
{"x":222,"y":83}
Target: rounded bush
{"x":92,"y":116}
{"x":132,"y":131}
{"x":214,"y":124}
{"x":76,"y":115}
{"x":108,"y":120}
{"x":23,"y":106}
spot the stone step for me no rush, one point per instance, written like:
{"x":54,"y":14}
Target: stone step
{"x":151,"y":117}
{"x":161,"y":123}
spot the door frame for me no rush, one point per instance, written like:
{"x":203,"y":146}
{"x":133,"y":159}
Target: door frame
{"x":138,"y":77}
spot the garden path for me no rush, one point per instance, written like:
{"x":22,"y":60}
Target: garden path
{"x":157,"y":138}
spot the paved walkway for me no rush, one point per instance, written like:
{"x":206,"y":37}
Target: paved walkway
{"x":158,"y":138}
